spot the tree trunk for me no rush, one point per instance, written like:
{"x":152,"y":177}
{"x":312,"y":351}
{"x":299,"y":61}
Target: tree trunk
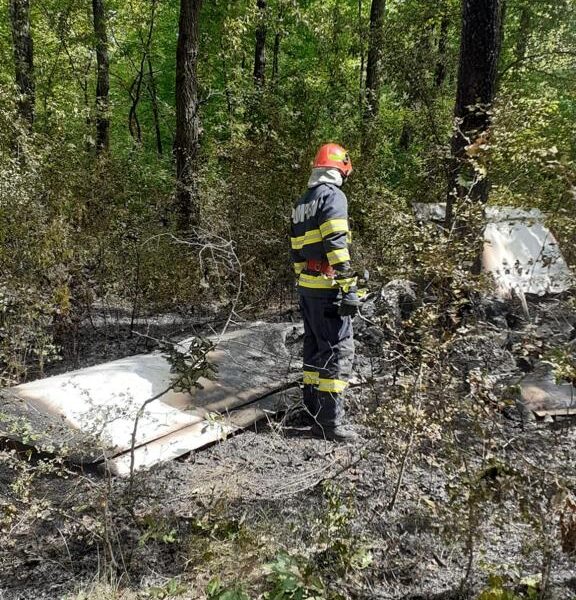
{"x":374,"y":53}
{"x":23,"y":58}
{"x":136,"y":87}
{"x":361,"y":47}
{"x":440,"y":73}
{"x":151,"y":85}
{"x":523,"y":36}
{"x":477,"y":70}
{"x":260,"y":46}
{"x":187,"y":117}
{"x":103,"y":78}
{"x":276,"y":55}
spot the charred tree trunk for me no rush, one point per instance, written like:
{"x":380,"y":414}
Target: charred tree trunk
{"x":260,"y":46}
{"x":103,"y":77}
{"x":440,"y":72}
{"x":23,"y":58}
{"x":372,"y":91}
{"x":477,"y":71}
{"x":187,"y":117}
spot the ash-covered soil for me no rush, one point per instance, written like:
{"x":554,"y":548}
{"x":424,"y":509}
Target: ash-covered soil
{"x":431,"y":496}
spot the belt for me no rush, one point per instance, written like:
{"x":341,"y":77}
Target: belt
{"x":320,"y":266}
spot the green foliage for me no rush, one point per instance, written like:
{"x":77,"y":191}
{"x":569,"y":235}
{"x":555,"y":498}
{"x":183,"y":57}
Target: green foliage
{"x":497,"y":589}
{"x":172,"y":589}
{"x":189,"y":364}
{"x":292,"y":579}
{"x":563,"y":361}
{"x":216,"y":591}
{"x":338,"y":548}
{"x":158,"y":529}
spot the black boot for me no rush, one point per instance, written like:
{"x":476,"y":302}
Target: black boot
{"x":338,"y":433}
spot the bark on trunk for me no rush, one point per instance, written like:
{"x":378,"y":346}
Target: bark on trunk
{"x":377,"y":10}
{"x":23,"y":58}
{"x":103,"y":77}
{"x":187,"y":117}
{"x":477,"y":71}
{"x":260,"y":46}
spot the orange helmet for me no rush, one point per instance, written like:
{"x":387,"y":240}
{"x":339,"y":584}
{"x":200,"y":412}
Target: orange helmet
{"x":333,"y":156}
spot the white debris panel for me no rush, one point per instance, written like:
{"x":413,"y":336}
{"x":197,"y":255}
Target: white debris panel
{"x":520,"y":252}
{"x":254,"y":366}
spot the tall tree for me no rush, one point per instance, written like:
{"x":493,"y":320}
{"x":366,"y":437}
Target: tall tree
{"x":102,"y":78}
{"x":23,"y":58}
{"x":477,"y":70}
{"x":187,"y":117}
{"x":260,"y":45}
{"x":375,"y":41}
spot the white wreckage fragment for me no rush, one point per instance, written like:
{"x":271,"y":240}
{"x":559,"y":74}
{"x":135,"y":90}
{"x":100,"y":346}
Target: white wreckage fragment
{"x":254,"y":367}
{"x":520,"y":252}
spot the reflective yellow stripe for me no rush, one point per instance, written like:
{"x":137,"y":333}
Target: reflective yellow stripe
{"x":319,"y":282}
{"x":299,"y":267}
{"x":335,"y":386}
{"x":310,"y":237}
{"x":337,"y":155}
{"x":346,"y":283}
{"x":334,"y":226}
{"x":311,"y":377}
{"x":338,"y":256}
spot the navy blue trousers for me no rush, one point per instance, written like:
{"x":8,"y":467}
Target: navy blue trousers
{"x":328,"y":355}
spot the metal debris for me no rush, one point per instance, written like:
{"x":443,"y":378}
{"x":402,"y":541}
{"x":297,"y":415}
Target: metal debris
{"x":100,"y":403}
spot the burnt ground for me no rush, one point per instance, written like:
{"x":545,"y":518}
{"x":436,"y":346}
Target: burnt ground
{"x":448,"y":494}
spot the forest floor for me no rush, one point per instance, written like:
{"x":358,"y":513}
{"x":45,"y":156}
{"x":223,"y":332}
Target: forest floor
{"x":274,"y":511}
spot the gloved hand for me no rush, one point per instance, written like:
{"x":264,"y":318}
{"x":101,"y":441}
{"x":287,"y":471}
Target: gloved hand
{"x":349,"y":304}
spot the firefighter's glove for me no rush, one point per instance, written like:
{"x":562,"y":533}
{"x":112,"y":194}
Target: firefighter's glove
{"x":349,"y":304}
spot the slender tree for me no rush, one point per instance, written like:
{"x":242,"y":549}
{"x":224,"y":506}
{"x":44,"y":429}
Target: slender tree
{"x":375,"y":40}
{"x":276,"y":55}
{"x":187,"y":117}
{"x":151,"y":87}
{"x":102,"y":78}
{"x":361,"y":46}
{"x":523,"y":35}
{"x":135,"y":90}
{"x":477,"y":71}
{"x":260,"y":45}
{"x":23,"y":58}
{"x":440,"y":71}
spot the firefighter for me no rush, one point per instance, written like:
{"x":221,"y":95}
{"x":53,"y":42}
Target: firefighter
{"x":320,"y":238}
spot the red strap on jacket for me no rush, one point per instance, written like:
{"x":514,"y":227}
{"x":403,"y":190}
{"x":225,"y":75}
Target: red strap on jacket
{"x":320,"y":266}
